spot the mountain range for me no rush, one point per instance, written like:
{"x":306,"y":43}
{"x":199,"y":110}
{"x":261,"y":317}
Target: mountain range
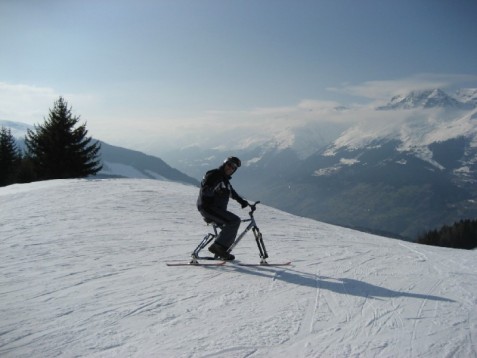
{"x":409,"y":168}
{"x":464,"y":99}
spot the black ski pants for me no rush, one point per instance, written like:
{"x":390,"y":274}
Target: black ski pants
{"x":228,"y":221}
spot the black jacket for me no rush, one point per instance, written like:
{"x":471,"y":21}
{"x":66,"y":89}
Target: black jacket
{"x":215,"y":191}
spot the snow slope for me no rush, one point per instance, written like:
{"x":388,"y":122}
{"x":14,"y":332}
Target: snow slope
{"x":84,"y":274}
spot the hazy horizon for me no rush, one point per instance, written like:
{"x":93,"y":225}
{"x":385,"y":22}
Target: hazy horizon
{"x":151,"y":73}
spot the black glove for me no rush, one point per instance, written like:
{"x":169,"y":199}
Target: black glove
{"x":244,"y":204}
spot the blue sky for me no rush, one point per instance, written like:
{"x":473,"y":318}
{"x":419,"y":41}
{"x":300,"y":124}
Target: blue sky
{"x":135,"y":68}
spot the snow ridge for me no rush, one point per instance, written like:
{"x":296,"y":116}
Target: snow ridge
{"x":431,"y":99}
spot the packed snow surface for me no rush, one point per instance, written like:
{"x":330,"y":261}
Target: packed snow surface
{"x":84,"y":273}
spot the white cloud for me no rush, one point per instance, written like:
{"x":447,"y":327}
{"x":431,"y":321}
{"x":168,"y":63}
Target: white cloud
{"x":24,"y":103}
{"x":384,"y":90}
{"x":127,"y":123}
{"x":30,"y":104}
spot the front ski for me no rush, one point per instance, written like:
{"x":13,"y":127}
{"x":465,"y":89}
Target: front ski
{"x":265,"y":264}
{"x":195,"y":263}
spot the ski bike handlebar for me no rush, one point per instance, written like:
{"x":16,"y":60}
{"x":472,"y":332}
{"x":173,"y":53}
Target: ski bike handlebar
{"x":253,"y":207}
{"x":252,"y":225}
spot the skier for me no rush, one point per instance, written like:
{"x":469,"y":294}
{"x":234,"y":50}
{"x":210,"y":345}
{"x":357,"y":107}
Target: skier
{"x":215,"y":191}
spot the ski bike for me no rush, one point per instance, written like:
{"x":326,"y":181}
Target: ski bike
{"x":252,"y":225}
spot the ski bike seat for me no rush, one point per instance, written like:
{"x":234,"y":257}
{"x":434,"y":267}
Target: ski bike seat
{"x":212,"y":222}
{"x":209,"y":221}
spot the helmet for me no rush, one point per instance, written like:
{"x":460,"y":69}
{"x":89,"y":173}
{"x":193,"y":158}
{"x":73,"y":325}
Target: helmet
{"x":233,"y":160}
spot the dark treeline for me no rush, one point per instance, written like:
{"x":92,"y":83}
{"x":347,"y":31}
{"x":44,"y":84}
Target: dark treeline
{"x":461,"y":235}
{"x":11,"y":160}
{"x":58,"y":149}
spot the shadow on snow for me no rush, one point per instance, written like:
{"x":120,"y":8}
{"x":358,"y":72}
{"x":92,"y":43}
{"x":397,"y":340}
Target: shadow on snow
{"x":346,"y":286}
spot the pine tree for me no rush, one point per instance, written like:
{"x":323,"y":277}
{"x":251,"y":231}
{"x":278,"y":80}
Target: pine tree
{"x":58,"y":150}
{"x":9,"y":157}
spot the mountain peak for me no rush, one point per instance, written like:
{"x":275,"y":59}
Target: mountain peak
{"x":431,"y":98}
{"x":467,"y":95}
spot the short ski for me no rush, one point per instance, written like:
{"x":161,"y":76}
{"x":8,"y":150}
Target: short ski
{"x":196,"y":263}
{"x":265,"y":264}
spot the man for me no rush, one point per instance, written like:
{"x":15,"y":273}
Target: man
{"x":215,"y":191}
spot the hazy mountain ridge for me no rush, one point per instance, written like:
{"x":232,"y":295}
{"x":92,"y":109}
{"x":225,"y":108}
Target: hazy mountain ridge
{"x":128,"y":163}
{"x":118,"y":162}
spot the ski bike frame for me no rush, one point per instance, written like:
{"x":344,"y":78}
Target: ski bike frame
{"x":251,"y":226}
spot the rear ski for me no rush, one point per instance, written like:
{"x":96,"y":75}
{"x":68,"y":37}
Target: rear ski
{"x":208,"y":262}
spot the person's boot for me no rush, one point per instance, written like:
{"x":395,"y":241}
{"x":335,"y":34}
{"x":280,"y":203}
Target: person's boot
{"x":221,"y":252}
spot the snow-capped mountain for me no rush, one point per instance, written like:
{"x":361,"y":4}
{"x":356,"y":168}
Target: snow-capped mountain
{"x":84,"y":275}
{"x":467,"y":95}
{"x":407,"y":169}
{"x":432,"y":116}
{"x":416,"y":132}
{"x":431,"y":99}
{"x":407,"y":175}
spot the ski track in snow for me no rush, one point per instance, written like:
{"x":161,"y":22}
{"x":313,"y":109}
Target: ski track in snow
{"x":84,"y":274}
